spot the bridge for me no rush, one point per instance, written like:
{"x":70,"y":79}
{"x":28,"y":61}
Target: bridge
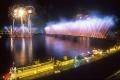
{"x":88,"y":27}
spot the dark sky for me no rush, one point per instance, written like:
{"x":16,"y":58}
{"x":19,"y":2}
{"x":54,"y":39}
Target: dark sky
{"x":54,"y":9}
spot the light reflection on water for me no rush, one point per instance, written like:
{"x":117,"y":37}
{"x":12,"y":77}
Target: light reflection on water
{"x":26,"y":50}
{"x":22,"y":50}
{"x":59,"y":47}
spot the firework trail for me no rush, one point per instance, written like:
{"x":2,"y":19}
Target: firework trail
{"x":91,"y":26}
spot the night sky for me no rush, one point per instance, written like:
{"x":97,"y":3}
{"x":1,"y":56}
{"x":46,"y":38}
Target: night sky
{"x":47,"y":10}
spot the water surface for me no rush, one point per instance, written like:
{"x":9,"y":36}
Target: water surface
{"x":23,"y":51}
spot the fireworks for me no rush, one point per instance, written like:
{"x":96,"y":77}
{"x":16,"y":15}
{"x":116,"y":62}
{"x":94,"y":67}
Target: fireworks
{"x":23,"y":14}
{"x":16,"y":31}
{"x":89,"y":27}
